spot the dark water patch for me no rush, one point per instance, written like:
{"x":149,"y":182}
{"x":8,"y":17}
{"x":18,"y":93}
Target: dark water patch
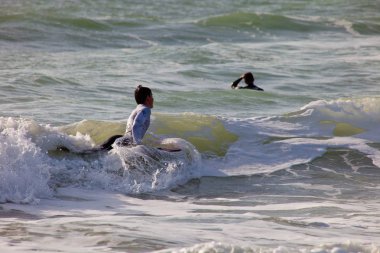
{"x":342,"y":173}
{"x":10,"y":18}
{"x":79,"y":23}
{"x":27,"y":19}
{"x":13,"y":213}
{"x":345,"y":160}
{"x":17,"y":33}
{"x":294,"y":223}
{"x":44,"y":80}
{"x":124,"y":23}
{"x":214,"y":187}
{"x":130,"y":244}
{"x":50,"y":31}
{"x":265,"y":22}
{"x":367,"y":28}
{"x":339,"y":173}
{"x":71,"y":198}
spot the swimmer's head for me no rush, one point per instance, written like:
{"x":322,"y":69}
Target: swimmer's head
{"x":248,"y":78}
{"x":143,"y":95}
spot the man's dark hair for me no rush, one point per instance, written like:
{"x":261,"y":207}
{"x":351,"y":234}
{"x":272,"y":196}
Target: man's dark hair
{"x":248,"y":77}
{"x":141,"y":93}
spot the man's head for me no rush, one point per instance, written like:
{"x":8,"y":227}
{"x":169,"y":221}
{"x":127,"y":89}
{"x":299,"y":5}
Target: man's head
{"x":248,"y":78}
{"x":143,"y":95}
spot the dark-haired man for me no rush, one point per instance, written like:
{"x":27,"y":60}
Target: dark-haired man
{"x":138,"y":122}
{"x":249,"y":80}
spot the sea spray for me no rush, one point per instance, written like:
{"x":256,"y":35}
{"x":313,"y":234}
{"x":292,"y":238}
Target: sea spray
{"x":37,"y":159}
{"x":24,"y":168}
{"x":149,"y":169}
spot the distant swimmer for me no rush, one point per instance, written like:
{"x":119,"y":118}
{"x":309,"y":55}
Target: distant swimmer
{"x":249,"y":80}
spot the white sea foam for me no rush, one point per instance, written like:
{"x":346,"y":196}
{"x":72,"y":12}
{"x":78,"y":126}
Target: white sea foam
{"x":219,"y":247}
{"x":359,"y":112}
{"x":267,"y":144}
{"x":25,"y":166}
{"x":31,"y":166}
{"x":147,"y":169}
{"x":24,"y":169}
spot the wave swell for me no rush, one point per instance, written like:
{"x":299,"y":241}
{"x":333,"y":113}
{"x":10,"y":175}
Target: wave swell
{"x":265,"y":22}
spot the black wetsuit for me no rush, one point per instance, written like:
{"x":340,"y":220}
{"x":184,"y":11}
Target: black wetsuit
{"x":251,"y":86}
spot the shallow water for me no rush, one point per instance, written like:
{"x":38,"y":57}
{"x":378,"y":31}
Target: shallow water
{"x":291,"y":169}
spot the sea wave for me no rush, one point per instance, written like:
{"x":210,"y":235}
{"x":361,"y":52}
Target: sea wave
{"x":39,"y":153}
{"x":265,"y":22}
{"x":57,"y":29}
{"x":206,"y":133}
{"x":35,"y":159}
{"x":220,"y":247}
{"x":288,"y":23}
{"x":24,"y":169}
{"x":351,"y":116}
{"x":269,"y":144}
{"x":367,"y":27}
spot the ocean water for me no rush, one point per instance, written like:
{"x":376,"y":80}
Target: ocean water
{"x":295,"y":168}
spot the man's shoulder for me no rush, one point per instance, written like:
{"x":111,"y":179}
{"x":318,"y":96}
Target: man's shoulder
{"x":141,"y":107}
{"x":145,"y":110}
{"x":251,"y":88}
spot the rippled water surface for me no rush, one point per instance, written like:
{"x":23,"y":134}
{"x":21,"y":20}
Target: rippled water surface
{"x":292,"y":169}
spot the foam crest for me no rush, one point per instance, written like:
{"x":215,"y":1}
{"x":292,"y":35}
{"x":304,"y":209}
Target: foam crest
{"x":267,"y":144}
{"x":353,"y":109}
{"x":351,"y":115}
{"x":24,"y":169}
{"x":348,"y":247}
{"x":35,"y":159}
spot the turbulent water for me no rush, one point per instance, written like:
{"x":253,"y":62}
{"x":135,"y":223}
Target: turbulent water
{"x":295,"y":168}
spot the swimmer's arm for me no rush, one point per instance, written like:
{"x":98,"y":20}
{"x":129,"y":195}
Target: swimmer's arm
{"x":236,"y":82}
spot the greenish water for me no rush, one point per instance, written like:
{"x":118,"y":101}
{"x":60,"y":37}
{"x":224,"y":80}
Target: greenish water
{"x":290,"y":169}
